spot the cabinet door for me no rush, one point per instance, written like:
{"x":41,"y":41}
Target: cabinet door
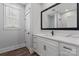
{"x":41,"y":48}
{"x":67,"y":50}
{"x":38,"y":45}
{"x":35,"y":44}
{"x":51,"y":50}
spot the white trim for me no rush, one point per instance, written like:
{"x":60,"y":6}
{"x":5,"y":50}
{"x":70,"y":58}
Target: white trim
{"x":12,"y":47}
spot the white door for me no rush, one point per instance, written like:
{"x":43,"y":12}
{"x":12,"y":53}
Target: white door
{"x":28,"y":36}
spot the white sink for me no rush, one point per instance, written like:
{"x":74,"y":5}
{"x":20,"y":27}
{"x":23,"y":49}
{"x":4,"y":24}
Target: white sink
{"x":73,"y":36}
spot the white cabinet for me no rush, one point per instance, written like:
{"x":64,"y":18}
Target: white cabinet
{"x":51,"y":50}
{"x":35,"y":44}
{"x":38,"y":45}
{"x":41,"y":48}
{"x":67,"y":50}
{"x":44,"y":47}
{"x":48,"y":47}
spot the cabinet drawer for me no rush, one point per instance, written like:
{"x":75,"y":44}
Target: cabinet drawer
{"x":34,"y":39}
{"x":67,"y":54}
{"x":50,"y":41}
{"x":65,"y":48}
{"x":35,"y":46}
{"x":34,"y":36}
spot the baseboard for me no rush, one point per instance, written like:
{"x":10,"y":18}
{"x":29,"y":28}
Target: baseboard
{"x":12,"y":48}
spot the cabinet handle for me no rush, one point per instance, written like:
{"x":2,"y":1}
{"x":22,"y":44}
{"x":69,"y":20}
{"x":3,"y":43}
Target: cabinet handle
{"x":44,"y":47}
{"x":67,"y":48}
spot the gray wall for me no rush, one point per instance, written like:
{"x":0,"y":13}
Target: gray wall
{"x":9,"y":38}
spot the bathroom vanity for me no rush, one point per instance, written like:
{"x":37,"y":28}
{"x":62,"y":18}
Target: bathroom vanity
{"x":60,"y":16}
{"x":46,"y":45}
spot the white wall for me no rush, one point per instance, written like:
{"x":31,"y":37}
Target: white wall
{"x":37,"y":25}
{"x":46,"y":5}
{"x":36,"y":19}
{"x":11,"y":38}
{"x":35,"y":13}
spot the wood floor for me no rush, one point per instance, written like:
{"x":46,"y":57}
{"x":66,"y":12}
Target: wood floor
{"x":19,"y":52}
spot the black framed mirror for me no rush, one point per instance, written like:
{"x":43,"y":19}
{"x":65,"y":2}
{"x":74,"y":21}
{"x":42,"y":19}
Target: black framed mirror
{"x":60,"y":16}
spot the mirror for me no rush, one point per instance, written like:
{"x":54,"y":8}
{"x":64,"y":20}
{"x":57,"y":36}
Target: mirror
{"x":60,"y":16}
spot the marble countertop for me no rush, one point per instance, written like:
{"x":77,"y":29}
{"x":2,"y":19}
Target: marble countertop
{"x":70,"y":40}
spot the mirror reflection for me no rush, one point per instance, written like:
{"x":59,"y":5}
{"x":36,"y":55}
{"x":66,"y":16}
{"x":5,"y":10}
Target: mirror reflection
{"x":63,"y":15}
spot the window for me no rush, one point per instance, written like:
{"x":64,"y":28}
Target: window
{"x":12,"y":16}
